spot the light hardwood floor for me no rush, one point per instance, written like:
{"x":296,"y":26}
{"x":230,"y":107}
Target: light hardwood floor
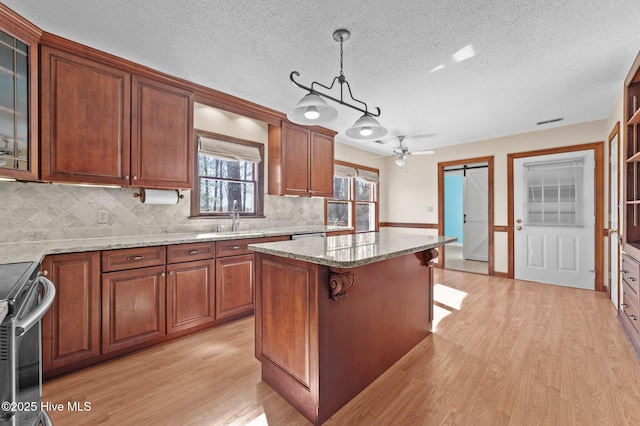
{"x":503,"y":352}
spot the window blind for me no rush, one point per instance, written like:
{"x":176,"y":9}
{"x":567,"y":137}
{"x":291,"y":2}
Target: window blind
{"x":228,"y":150}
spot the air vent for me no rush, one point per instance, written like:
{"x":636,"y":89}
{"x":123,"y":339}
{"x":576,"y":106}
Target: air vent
{"x":4,"y":342}
{"x":553,"y":120}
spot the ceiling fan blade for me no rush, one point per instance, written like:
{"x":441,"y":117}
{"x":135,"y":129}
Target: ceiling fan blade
{"x":425,"y":152}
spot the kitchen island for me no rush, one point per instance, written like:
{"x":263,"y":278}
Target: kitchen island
{"x":332,"y":314}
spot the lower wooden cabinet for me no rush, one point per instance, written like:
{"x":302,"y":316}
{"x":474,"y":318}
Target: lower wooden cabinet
{"x":71,"y":326}
{"x":133,"y":307}
{"x":112,"y":302}
{"x":234,"y":285}
{"x":630,"y":304}
{"x":190,"y":294}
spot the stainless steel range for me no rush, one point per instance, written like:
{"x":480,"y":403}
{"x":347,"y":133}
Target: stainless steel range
{"x":25,"y":296}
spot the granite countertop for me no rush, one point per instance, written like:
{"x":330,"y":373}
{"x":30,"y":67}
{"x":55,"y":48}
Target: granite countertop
{"x":349,"y":251}
{"x":4,"y":309}
{"x":36,"y":250}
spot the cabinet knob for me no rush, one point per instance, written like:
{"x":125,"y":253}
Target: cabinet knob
{"x":45,"y":273}
{"x":135,"y":178}
{"x":127,"y":177}
{"x":162,"y":274}
{"x":170,"y":273}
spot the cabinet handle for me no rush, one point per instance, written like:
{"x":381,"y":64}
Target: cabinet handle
{"x":191,"y":252}
{"x":235,"y":247}
{"x":633,"y":317}
{"x":623,"y":305}
{"x":134,"y":258}
{"x":631,"y":279}
{"x":622,"y":271}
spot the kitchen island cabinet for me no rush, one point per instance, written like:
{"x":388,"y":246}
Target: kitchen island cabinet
{"x":332,"y":314}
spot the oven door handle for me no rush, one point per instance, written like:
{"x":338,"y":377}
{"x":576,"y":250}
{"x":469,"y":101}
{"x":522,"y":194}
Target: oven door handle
{"x":25,"y":324}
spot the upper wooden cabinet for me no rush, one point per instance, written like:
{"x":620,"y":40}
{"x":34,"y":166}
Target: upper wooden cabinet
{"x":300,"y":161}
{"x":86,"y":108}
{"x":161,"y":137}
{"x":103,"y":123}
{"x":18,"y":96}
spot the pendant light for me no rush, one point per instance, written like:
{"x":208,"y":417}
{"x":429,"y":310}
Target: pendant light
{"x":312,"y":109}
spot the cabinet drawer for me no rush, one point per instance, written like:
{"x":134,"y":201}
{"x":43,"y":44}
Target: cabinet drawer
{"x":630,"y":307}
{"x":235,"y":247}
{"x":192,"y":251}
{"x":123,"y":259}
{"x":630,"y":272}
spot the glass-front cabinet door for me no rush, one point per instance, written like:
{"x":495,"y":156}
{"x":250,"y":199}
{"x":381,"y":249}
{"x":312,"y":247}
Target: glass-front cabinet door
{"x":18,"y":97}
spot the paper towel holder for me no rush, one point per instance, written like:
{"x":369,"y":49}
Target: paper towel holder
{"x":141,"y":195}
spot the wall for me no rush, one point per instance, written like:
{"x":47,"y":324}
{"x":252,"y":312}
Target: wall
{"x":411,"y":192}
{"x":37,"y":211}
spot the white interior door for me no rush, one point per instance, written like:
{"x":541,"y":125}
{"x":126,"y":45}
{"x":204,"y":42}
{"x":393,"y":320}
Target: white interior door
{"x":614,"y":214}
{"x":475,"y":190}
{"x":555,"y":218}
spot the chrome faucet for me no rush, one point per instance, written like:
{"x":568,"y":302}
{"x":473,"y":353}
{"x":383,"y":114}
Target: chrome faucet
{"x":235,"y":216}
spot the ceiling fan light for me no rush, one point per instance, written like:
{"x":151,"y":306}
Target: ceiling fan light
{"x":312,"y":110}
{"x":401,"y":160}
{"x":366,"y":127}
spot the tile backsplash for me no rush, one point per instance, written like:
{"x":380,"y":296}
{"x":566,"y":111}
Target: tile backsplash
{"x":40,"y":212}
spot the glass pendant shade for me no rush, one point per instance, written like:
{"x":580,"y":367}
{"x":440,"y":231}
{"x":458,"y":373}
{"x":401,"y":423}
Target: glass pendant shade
{"x":312,"y":110}
{"x":366,"y":127}
{"x":401,"y":160}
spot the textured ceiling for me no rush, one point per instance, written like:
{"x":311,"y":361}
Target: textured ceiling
{"x":534,"y":60}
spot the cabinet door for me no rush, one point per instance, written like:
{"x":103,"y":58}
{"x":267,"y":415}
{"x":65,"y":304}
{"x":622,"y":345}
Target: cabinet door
{"x":321,"y":165}
{"x":71,"y":326}
{"x":162,"y":154}
{"x":18,"y":96}
{"x":295,"y":160}
{"x":234,"y":285}
{"x":190,"y":294}
{"x":85,"y":123}
{"x":133,"y":308}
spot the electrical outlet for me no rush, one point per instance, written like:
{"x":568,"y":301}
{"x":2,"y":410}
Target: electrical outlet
{"x":103,"y":216}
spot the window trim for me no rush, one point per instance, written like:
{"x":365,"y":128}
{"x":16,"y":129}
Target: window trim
{"x":353,"y":195}
{"x":259,"y":189}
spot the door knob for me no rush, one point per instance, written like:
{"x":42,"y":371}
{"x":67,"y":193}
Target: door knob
{"x":518,"y":228}
{"x":519,"y":221}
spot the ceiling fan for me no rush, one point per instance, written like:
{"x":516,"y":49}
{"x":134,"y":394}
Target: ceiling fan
{"x":402,"y":151}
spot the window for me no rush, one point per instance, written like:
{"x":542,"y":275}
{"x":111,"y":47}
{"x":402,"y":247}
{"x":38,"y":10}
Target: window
{"x":229,"y":170}
{"x":355,"y":197}
{"x":554,"y":193}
